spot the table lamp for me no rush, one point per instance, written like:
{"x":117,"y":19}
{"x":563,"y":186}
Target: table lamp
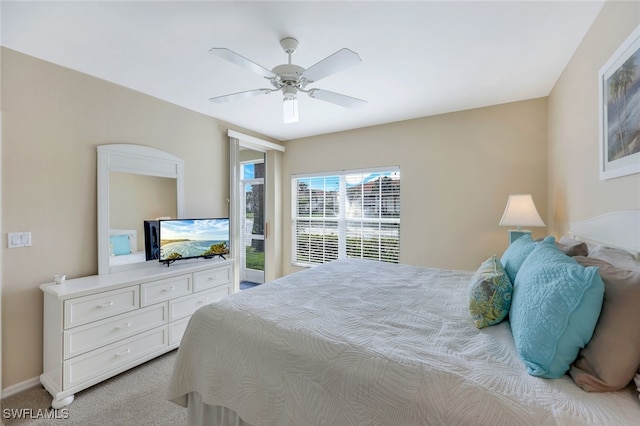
{"x":520,"y":211}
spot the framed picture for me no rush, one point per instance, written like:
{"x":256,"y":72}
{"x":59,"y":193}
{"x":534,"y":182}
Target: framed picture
{"x":619,"y":88}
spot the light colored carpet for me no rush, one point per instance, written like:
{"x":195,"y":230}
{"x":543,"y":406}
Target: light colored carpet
{"x":136,"y":397}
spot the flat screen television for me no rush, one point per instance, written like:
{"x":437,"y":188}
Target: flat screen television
{"x":193,"y":238}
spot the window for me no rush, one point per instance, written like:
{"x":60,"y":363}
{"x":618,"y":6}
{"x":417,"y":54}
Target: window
{"x":349,"y":214}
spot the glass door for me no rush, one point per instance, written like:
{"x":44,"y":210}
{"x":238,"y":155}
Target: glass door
{"x":252,"y":222}
{"x":254,"y":200}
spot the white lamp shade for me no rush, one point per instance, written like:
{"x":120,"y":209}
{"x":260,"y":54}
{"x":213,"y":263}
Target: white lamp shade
{"x":290,"y":109}
{"x":521,"y":211}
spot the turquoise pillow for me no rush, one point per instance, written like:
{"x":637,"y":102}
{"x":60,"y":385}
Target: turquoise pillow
{"x":518,"y":251}
{"x":120,"y":245}
{"x":489,"y":293}
{"x":554,"y":309}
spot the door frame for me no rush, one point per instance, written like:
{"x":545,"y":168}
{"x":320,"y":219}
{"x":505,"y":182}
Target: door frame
{"x":236,"y":141}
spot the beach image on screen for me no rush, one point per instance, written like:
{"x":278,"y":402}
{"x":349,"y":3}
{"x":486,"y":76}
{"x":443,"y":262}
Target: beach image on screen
{"x":188,"y":238}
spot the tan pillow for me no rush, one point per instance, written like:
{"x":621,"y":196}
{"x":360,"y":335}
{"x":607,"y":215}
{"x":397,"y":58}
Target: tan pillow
{"x":572,"y":247}
{"x":620,"y":258}
{"x":612,"y":356}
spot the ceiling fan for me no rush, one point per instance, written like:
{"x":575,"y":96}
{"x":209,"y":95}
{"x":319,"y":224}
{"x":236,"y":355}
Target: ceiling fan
{"x":291,"y":79}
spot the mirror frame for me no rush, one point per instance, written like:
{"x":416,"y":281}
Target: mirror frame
{"x":135,"y":159}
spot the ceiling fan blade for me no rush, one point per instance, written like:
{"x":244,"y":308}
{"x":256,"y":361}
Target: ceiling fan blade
{"x":341,"y":60}
{"x":338,"y":99}
{"x":240,"y":95}
{"x":237,"y":59}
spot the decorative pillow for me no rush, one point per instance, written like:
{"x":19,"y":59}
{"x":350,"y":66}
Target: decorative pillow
{"x":572,"y":247}
{"x":616,"y":257}
{"x":489,"y":293}
{"x":517,"y":252}
{"x":132,"y":234}
{"x":120,"y":245}
{"x":555,"y":306}
{"x":612,"y":357}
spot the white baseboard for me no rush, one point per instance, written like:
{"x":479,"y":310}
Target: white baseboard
{"x":19,"y":387}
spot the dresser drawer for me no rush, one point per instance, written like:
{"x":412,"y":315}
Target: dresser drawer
{"x":177,"y":329}
{"x":212,"y":278}
{"x":162,"y":290}
{"x":86,"y":309}
{"x":101,"y":333}
{"x":102,"y":361}
{"x":185,"y":306}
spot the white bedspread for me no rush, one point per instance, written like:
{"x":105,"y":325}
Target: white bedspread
{"x":128,"y":259}
{"x":366,"y":343}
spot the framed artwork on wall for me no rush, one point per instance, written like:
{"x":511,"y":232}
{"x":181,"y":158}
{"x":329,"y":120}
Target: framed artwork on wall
{"x":619,"y":105}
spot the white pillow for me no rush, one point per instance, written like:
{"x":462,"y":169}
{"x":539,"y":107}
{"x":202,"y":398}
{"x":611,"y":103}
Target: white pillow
{"x":620,"y":258}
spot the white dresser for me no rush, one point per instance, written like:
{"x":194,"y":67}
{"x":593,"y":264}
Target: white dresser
{"x":99,"y":326}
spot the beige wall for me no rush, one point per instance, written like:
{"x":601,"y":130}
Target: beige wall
{"x":1,"y":133}
{"x":457,"y":171}
{"x":53,"y":120}
{"x":575,"y":189}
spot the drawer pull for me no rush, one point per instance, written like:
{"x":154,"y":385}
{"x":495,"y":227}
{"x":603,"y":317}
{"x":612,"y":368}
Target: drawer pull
{"x":211,"y":278}
{"x":123,"y":353}
{"x":206,"y":299}
{"x":169,"y":288}
{"x":120,"y":327}
{"x":105,"y":304}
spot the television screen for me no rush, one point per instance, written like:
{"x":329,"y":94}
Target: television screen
{"x":191,"y":238}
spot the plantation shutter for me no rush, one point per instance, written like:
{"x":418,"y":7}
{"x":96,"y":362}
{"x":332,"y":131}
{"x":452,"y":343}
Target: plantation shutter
{"x":353,"y":214}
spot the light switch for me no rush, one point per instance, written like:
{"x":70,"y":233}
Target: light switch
{"x":18,"y":239}
{"x":14,"y":239}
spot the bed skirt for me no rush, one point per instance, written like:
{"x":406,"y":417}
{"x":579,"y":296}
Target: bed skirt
{"x":200,"y":413}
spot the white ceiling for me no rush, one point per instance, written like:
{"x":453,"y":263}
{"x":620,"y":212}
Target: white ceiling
{"x":420,"y":58}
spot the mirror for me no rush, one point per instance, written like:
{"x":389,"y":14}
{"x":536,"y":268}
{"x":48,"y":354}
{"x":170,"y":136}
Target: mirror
{"x":135,"y":183}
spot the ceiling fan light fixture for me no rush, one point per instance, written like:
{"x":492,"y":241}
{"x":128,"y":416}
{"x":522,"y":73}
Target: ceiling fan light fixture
{"x":290,"y":105}
{"x":290,"y":110}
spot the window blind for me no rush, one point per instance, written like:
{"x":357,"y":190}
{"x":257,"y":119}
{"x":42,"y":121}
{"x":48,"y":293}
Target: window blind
{"x":348,"y":214}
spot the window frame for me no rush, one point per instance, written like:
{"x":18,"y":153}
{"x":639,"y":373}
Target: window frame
{"x":341,"y":220}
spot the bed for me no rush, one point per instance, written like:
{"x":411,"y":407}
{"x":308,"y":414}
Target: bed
{"x":357,"y":342}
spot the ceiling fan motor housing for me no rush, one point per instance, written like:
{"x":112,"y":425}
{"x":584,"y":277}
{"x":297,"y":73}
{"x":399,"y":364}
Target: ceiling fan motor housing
{"x":288,"y":73}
